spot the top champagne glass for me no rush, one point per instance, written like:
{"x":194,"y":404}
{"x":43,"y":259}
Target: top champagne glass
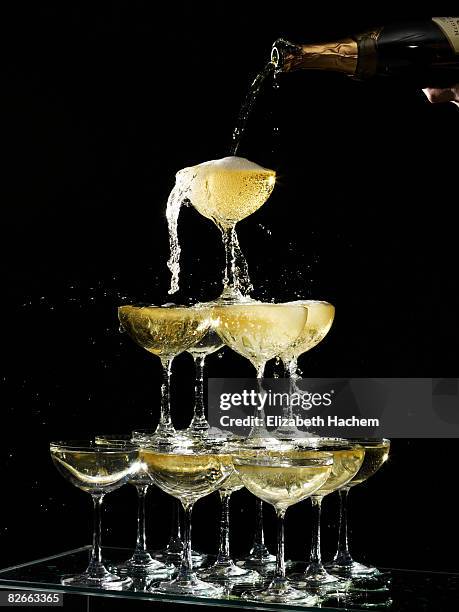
{"x":226,"y":191}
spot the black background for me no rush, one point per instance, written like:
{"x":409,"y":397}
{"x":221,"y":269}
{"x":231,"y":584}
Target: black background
{"x":101,"y":105}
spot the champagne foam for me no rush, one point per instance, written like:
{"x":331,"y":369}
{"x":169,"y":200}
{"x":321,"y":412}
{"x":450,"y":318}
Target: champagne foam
{"x":226,"y":164}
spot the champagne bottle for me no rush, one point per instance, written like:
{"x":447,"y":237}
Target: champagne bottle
{"x":424,"y":52}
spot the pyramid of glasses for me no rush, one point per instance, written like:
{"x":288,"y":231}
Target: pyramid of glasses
{"x":280,"y":468}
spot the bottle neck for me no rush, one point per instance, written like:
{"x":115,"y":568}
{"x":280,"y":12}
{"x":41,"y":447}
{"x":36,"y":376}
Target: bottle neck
{"x":355,"y":56}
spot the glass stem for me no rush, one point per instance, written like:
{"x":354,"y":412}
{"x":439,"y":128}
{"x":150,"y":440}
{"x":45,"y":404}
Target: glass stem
{"x":223,"y":557}
{"x":291,"y":369}
{"x":259,"y":430}
{"x":175,"y":544}
{"x":236,"y":281}
{"x":229,"y":278}
{"x":279,"y":575}
{"x":165,"y":422}
{"x":315,"y":560}
{"x":259,"y":532}
{"x":291,"y":372}
{"x":199,"y":422}
{"x":259,"y":549}
{"x":96,"y":568}
{"x":343,"y":556}
{"x":141,"y":544}
{"x":186,"y":566}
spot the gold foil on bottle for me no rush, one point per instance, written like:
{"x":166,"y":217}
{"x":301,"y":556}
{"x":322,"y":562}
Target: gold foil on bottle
{"x":355,"y":56}
{"x":339,"y":56}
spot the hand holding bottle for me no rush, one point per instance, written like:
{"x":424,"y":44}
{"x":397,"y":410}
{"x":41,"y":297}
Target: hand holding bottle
{"x":448,"y":94}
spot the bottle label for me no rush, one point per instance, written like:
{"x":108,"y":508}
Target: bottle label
{"x":450,"y":28}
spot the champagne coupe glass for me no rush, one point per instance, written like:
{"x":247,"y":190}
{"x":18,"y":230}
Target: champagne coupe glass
{"x":97,"y":470}
{"x":224,"y":569}
{"x":259,"y":556}
{"x":206,"y":346}
{"x":141,"y":563}
{"x":227,"y":191}
{"x":165,"y":331}
{"x":282,"y":482}
{"x":376,"y":454}
{"x":259,"y":332}
{"x":172,"y":553}
{"x":347,"y":459}
{"x":188,"y":473}
{"x":318,"y":324}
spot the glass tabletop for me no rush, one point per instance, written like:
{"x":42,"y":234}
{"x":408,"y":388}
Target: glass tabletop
{"x":398,"y":590}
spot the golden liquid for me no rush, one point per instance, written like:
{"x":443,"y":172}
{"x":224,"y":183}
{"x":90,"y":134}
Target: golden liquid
{"x":140,"y":477}
{"x":277,"y":450}
{"x":375,"y":456}
{"x":95,"y":471}
{"x":208,"y":345}
{"x":318,"y":324}
{"x":260,"y":331}
{"x":165,"y":331}
{"x":187,"y":476}
{"x":227,"y":190}
{"x":282,"y":485}
{"x":233,"y":483}
{"x":346,"y":464}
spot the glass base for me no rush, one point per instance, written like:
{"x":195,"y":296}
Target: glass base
{"x":162,"y":438}
{"x":369,"y":592}
{"x":320,"y":581}
{"x":188,"y":586}
{"x":230,"y":572}
{"x":175,"y":557}
{"x":230,"y":295}
{"x":140,"y":584}
{"x":144,"y":565}
{"x":198,"y":428}
{"x":258,"y":557}
{"x":211,"y":434}
{"x":281,"y":594}
{"x":289,"y":434}
{"x":352,"y":569}
{"x":377,"y":583}
{"x":107,"y":581}
{"x":260,"y":438}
